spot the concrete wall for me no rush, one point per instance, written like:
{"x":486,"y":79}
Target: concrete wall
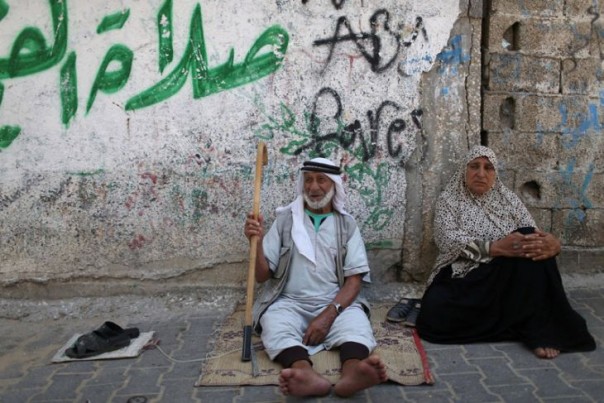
{"x":543,"y":114}
{"x":451,"y":97}
{"x":128,"y":129}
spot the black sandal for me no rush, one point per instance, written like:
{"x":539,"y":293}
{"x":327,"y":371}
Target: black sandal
{"x":412,"y":317}
{"x":108,"y":337}
{"x":399,"y":312}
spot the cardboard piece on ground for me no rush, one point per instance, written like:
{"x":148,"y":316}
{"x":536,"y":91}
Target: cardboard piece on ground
{"x":133,"y":350}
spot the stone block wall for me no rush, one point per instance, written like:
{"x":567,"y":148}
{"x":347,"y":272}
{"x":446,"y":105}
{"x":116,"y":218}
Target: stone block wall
{"x":543,"y":112}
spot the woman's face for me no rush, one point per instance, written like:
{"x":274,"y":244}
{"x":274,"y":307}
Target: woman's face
{"x":480,"y":176}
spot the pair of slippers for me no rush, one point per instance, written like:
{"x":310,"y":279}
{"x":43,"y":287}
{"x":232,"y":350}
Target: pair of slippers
{"x":406,"y":311}
{"x":108,"y":337}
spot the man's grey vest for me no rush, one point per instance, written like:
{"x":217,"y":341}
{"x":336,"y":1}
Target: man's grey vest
{"x":272,"y":288}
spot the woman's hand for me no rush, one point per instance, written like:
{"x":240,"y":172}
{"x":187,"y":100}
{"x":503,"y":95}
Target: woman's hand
{"x":508,"y":246}
{"x":540,"y":245}
{"x":537,"y":246}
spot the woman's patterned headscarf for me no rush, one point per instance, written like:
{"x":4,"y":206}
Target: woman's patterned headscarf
{"x":462,"y":217}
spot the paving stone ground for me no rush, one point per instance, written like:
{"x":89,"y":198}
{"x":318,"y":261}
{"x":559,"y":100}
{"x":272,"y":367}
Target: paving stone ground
{"x":498,"y":372}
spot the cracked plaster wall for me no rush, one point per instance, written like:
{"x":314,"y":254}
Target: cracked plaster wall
{"x":128,"y":130}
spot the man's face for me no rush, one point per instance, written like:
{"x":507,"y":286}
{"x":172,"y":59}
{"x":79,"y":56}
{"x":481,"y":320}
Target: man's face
{"x":318,"y":191}
{"x":480,"y":176}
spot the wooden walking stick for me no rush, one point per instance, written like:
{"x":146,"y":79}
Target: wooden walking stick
{"x":246,"y":352}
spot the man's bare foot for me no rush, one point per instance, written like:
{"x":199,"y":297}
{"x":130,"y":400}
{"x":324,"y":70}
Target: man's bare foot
{"x":358,"y":375}
{"x":546,"y":352}
{"x":303,"y":382}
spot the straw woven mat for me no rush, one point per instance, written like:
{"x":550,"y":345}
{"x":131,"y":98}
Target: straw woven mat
{"x":399,"y":347}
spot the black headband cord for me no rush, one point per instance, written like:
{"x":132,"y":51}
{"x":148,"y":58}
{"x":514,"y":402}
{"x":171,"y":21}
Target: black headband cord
{"x":311,"y":166}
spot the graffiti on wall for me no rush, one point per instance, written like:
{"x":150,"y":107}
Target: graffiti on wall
{"x":452,"y":57}
{"x":380,"y":47}
{"x":30,"y":54}
{"x":597,"y":32}
{"x":7,"y":133}
{"x":360,"y":139}
{"x":375,"y":132}
{"x":575,"y":183}
{"x":586,"y":122}
{"x":374,"y":146}
{"x":208,"y":81}
{"x":576,"y":194}
{"x":338,"y":4}
{"x":321,"y":136}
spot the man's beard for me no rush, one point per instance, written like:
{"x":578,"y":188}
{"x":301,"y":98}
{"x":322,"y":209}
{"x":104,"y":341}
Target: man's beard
{"x":317,"y":205}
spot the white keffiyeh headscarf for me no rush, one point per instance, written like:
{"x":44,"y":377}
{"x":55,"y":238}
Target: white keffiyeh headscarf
{"x":299,"y":234}
{"x":462,"y":217}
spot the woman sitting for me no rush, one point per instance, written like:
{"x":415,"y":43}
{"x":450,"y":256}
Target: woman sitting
{"x":496,"y":276}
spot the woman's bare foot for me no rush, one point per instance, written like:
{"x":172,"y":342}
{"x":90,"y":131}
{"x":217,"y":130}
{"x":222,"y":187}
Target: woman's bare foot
{"x":303,"y":382}
{"x":546,"y":352}
{"x":360,"y":374}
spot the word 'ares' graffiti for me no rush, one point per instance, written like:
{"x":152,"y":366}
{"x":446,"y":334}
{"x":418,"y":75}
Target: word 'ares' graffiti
{"x":322,"y":134}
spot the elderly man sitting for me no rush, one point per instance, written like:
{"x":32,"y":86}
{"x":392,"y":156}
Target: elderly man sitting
{"x":312,"y":262}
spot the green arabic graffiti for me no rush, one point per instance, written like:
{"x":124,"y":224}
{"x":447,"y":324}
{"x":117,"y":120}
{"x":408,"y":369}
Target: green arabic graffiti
{"x":29,"y":53}
{"x":208,"y":81}
{"x":369,"y":182}
{"x":7,"y":133}
{"x":3,"y":9}
{"x":361,"y":176}
{"x":164,"y":29}
{"x":199,"y":199}
{"x":113,"y":21}
{"x":69,"y":89}
{"x":110,"y":82}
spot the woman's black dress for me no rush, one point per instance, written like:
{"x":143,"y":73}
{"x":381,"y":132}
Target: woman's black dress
{"x":506,"y":299}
